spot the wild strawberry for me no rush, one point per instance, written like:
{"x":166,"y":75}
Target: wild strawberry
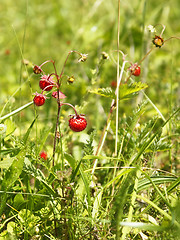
{"x":135,"y":69}
{"x":113,"y":83}
{"x":77,"y":123}
{"x":46,"y":83}
{"x":39,"y":99}
{"x":43,"y":155}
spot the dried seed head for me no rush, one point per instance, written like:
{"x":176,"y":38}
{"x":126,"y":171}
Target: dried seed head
{"x":37,"y":69}
{"x":83,"y":58}
{"x":71,"y":79}
{"x":158,"y":41}
{"x":105,"y":55}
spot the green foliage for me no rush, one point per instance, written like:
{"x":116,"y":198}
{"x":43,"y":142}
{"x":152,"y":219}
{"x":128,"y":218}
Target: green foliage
{"x":125,"y":92}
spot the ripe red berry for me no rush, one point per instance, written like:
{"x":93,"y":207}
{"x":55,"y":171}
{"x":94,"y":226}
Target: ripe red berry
{"x":77,"y":123}
{"x":39,"y":99}
{"x":46,"y":83}
{"x":113,"y":83}
{"x":135,"y":69}
{"x":43,"y":155}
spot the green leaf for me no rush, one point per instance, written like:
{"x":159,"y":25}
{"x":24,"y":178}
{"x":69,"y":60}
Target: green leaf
{"x":38,"y":174}
{"x":125,"y":91}
{"x":143,"y":226}
{"x":16,"y":111}
{"x":10,"y":127}
{"x":105,"y":92}
{"x":11,"y":175}
{"x":10,"y":150}
{"x":147,"y":143}
{"x":145,"y":183}
{"x":25,"y":138}
{"x":128,"y":91}
{"x":14,"y":171}
{"x":6,"y":163}
{"x":96,"y":205}
{"x":18,"y":201}
{"x":87,"y":188}
{"x":70,"y":160}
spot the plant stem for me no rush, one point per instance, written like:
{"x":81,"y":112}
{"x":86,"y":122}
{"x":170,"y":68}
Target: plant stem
{"x":55,"y":137}
{"x":68,"y":104}
{"x":62,"y":71}
{"x":117,"y":95}
{"x":117,"y":105}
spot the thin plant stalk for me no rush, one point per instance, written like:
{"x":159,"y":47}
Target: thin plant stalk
{"x":56,"y":130}
{"x":117,"y":96}
{"x":59,"y":79}
{"x":117,"y":105}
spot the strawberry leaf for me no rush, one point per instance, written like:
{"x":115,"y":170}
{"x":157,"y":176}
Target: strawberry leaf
{"x":125,"y":91}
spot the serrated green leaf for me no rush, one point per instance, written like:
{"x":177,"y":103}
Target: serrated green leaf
{"x":105,"y":92}
{"x":125,"y":91}
{"x":128,"y":91}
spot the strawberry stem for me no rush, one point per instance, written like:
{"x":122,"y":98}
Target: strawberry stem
{"x":68,"y":104}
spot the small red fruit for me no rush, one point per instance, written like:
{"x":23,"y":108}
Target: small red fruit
{"x":77,"y":123}
{"x":113,"y":83}
{"x":39,"y":99}
{"x":135,"y":69}
{"x":43,"y":155}
{"x":46,"y":83}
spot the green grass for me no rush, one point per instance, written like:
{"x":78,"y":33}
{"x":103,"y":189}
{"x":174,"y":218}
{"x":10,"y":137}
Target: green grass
{"x":119,"y":178}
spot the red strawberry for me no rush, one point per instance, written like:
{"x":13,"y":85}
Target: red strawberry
{"x":43,"y":155}
{"x":39,"y":99}
{"x":77,"y":123}
{"x":45,"y":82}
{"x":135,"y":69}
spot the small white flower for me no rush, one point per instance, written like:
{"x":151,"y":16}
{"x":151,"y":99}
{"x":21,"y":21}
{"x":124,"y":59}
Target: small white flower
{"x":3,"y":128}
{"x":150,"y":28}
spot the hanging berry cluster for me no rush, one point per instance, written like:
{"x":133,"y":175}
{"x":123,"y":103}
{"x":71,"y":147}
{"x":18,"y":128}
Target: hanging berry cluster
{"x":77,"y":122}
